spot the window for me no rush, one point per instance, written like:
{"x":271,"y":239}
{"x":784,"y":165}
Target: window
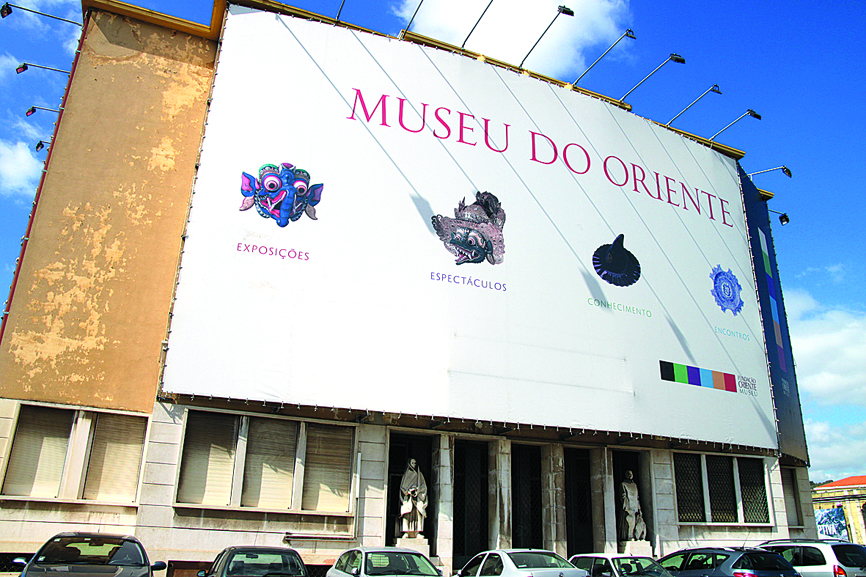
{"x":233,"y":460}
{"x":791,"y":491}
{"x":75,"y":454}
{"x":720,"y":489}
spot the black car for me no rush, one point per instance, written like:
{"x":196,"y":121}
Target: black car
{"x":727,"y":562}
{"x":86,"y":554}
{"x":256,"y":561}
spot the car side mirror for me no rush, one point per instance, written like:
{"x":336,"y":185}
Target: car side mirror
{"x":355,"y":571}
{"x":158,"y":566}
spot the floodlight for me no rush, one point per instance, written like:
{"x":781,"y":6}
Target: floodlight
{"x":627,"y":34}
{"x":33,"y":109}
{"x":560,"y":10}
{"x":42,"y":144}
{"x":713,"y":88}
{"x":673,"y":57}
{"x":783,"y":168}
{"x":26,"y":65}
{"x":783,"y":216}
{"x":6,"y":10}
{"x":748,"y":112}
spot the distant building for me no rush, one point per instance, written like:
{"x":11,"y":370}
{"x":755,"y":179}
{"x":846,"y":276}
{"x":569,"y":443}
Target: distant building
{"x":269,"y":263}
{"x":843,"y":504}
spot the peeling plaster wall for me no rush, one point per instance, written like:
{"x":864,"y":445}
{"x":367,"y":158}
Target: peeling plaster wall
{"x":91,"y":306}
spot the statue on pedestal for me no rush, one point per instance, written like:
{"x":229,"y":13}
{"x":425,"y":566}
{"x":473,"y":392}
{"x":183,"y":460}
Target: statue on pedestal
{"x":413,"y":502}
{"x":632,"y":526}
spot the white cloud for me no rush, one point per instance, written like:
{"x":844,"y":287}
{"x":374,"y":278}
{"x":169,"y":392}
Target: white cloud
{"x":829,"y":346}
{"x":19,"y":169}
{"x":830,"y":350}
{"x":835,"y":452}
{"x":510,"y":28}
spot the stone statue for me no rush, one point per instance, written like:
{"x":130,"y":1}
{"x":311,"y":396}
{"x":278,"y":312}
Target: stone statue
{"x":413,"y":502}
{"x":632,"y":526}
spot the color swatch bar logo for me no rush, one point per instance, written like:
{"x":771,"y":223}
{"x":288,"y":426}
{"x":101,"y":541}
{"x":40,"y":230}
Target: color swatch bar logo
{"x":774,"y":305}
{"x":695,"y":376}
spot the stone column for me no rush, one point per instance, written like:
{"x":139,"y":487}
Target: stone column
{"x":443,"y":479}
{"x":603,"y":501}
{"x":499,"y":493}
{"x":553,"y":499}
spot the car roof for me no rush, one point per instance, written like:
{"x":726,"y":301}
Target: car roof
{"x":91,"y":534}
{"x":258,"y":548}
{"x":367,"y":549}
{"x":612,"y":555}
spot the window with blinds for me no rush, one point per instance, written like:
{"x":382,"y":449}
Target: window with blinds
{"x":328,"y":468}
{"x":207,"y":464}
{"x":735,"y":489}
{"x":270,"y":464}
{"x":256,"y":462}
{"x":38,"y":452}
{"x":115,"y":458}
{"x":792,"y":497}
{"x":54,"y":449}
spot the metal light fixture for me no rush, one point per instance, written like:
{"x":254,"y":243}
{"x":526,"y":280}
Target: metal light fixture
{"x":673,"y":57}
{"x":748,"y":112}
{"x":560,"y":10}
{"x":783,"y":168}
{"x":783,"y":216}
{"x":42,"y":144}
{"x":403,"y":32}
{"x":6,"y":10}
{"x":25,"y":65}
{"x":33,"y":109}
{"x":713,"y":88}
{"x":476,"y":24}
{"x":628,"y":33}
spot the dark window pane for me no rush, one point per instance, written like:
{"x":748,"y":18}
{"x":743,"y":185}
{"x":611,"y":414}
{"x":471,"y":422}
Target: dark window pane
{"x":723,"y":501}
{"x":690,"y":488}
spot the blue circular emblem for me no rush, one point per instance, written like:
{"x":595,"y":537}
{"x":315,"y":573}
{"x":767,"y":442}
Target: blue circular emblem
{"x":726,"y":290}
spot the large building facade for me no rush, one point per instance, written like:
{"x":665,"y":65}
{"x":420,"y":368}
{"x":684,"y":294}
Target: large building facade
{"x":203,"y":376}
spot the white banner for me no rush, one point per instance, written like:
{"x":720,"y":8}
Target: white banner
{"x":597,"y":275}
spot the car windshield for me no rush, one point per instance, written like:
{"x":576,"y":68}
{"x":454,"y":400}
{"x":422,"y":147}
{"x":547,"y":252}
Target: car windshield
{"x":538,"y":560}
{"x":850,"y":555}
{"x":639,"y":566}
{"x":91,"y":550}
{"x":263,"y":562}
{"x":398,"y":563}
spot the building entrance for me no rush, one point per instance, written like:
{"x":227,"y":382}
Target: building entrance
{"x":403,"y":448}
{"x":526,"y":497}
{"x":578,"y":502}
{"x":470,"y":500}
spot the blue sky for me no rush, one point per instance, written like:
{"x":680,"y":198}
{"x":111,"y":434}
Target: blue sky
{"x":798,"y":64}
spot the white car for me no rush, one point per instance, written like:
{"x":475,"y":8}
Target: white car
{"x":618,"y":565}
{"x":379,"y":561}
{"x":519,"y":563}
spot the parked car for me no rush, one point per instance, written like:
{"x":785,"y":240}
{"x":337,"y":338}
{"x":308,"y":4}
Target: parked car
{"x":519,"y":563}
{"x":617,"y":565}
{"x":85,"y":554}
{"x":372,"y":562}
{"x":824,"y":558}
{"x":256,"y":561}
{"x":727,"y":562}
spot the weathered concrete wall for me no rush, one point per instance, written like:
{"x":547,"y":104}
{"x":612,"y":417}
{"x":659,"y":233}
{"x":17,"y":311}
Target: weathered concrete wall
{"x":91,"y":305}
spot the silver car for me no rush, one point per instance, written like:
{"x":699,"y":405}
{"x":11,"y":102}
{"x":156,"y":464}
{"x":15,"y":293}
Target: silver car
{"x":519,"y":563}
{"x":375,"y":562}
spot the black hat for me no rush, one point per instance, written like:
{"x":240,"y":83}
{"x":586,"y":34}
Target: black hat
{"x":615,"y":264}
